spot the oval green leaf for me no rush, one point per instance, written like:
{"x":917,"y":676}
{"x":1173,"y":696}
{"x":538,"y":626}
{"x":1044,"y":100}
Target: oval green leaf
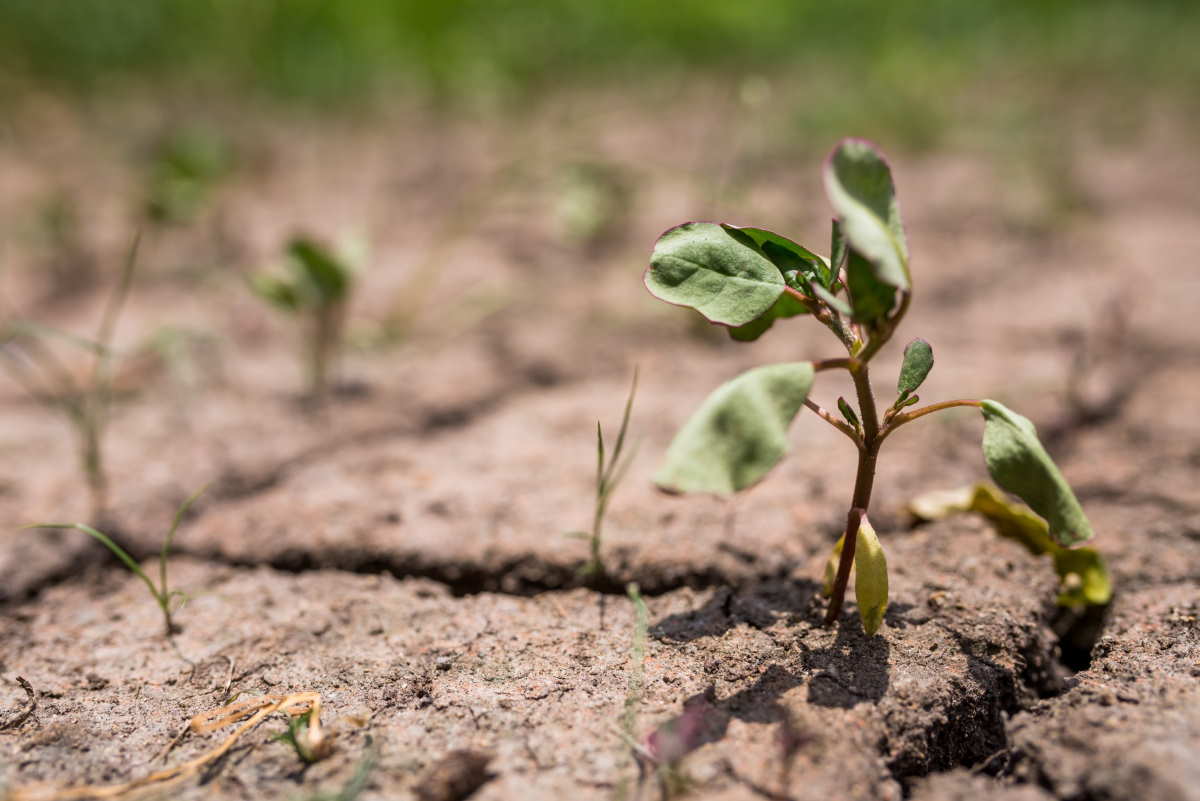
{"x":918,"y":361}
{"x":1019,"y":464}
{"x":870,"y":578}
{"x":739,"y":433}
{"x":323,"y":271}
{"x":859,"y":185}
{"x":704,"y":267}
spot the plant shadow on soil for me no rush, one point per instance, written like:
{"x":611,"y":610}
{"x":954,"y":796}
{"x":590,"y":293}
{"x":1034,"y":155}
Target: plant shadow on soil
{"x":854,"y":669}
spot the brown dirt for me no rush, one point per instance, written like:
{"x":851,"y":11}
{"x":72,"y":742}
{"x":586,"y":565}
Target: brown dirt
{"x":402,"y":551}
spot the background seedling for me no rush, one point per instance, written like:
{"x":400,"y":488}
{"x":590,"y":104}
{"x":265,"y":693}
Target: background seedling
{"x":747,"y":279}
{"x":610,"y":469}
{"x":185,"y":167}
{"x":86,"y":402}
{"x":317,"y":286}
{"x":163,"y":595}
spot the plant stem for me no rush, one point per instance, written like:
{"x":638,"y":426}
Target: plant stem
{"x":864,"y":482}
{"x":833,"y":421}
{"x":907,"y":417}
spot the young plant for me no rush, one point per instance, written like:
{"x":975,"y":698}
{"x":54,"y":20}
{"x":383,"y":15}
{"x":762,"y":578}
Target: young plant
{"x":163,"y":595}
{"x":317,"y":287}
{"x":610,"y":469}
{"x":85,"y":402}
{"x":747,"y":279}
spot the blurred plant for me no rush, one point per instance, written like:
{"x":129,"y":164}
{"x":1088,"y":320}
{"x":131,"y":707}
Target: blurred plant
{"x":163,"y":595}
{"x":610,"y":469}
{"x":185,"y":167}
{"x":593,"y":200}
{"x":85,"y":402}
{"x":748,"y":278}
{"x":357,"y":782}
{"x":318,"y":287}
{"x":69,"y":267}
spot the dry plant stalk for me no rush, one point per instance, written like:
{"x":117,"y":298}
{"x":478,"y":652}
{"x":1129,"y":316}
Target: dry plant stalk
{"x":294,"y":704}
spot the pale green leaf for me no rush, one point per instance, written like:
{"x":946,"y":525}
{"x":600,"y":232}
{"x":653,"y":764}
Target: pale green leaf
{"x":704,"y":267}
{"x":859,"y":185}
{"x":1019,"y":464}
{"x":870,"y":578}
{"x":739,"y":433}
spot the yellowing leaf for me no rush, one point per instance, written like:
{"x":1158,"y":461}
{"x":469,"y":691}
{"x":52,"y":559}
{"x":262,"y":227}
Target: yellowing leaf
{"x":870,"y":578}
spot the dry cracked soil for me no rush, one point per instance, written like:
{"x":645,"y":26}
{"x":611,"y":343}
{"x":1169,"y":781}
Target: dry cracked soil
{"x":402,"y":549}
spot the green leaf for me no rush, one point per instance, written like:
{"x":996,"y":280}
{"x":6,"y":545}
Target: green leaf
{"x":831,"y":566}
{"x":859,"y":185}
{"x":739,"y":433}
{"x":838,"y":250}
{"x":324,"y":272}
{"x":1019,"y":464}
{"x":704,"y":267}
{"x":1083,"y":574}
{"x":918,"y":361}
{"x":870,"y":578}
{"x":870,"y":298}
{"x":786,"y":306}
{"x":785,"y":254}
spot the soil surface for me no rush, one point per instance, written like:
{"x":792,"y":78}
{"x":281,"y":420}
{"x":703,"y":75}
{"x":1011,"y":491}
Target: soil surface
{"x":402,"y":550}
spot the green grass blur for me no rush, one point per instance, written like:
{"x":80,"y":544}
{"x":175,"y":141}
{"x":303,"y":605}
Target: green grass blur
{"x":324,"y":50}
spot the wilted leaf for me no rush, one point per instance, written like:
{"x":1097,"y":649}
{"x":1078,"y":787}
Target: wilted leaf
{"x":870,"y":578}
{"x":704,"y":267}
{"x":739,"y":433}
{"x":1017,"y":522}
{"x":918,"y":361}
{"x":1019,"y":464}
{"x":859,"y":185}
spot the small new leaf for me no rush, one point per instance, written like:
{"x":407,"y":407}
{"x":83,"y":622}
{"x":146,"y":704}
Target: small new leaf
{"x":704,"y":267}
{"x":848,"y":412}
{"x":838,"y":249}
{"x":870,"y":578}
{"x":859,"y":185}
{"x":739,"y":433}
{"x":1019,"y":464}
{"x":918,"y":361}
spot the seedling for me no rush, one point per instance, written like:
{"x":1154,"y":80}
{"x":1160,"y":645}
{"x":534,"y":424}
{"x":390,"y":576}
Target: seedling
{"x":86,"y":402}
{"x":163,"y":595}
{"x":305,"y":736}
{"x":317,"y":287}
{"x":747,"y":279}
{"x":610,"y":469}
{"x":185,"y":168}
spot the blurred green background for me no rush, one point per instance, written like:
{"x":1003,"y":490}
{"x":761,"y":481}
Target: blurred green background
{"x":903,"y":66}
